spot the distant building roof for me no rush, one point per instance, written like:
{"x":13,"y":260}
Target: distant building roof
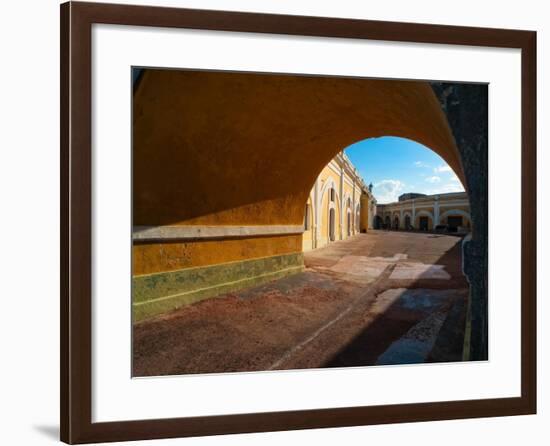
{"x":423,"y":198}
{"x":410,"y":196}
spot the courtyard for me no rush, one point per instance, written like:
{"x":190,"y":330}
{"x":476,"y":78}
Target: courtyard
{"x":378,"y":298}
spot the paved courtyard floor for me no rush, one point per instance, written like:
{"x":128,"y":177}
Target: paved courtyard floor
{"x":374,"y":299}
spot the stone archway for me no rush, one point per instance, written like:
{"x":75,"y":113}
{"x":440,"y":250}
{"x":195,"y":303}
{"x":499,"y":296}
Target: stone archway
{"x":234,"y":139}
{"x":424,"y":221}
{"x":465,"y":216}
{"x":267,"y":127}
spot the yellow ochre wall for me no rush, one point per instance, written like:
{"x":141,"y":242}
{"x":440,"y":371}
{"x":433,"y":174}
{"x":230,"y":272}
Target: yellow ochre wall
{"x":170,"y":256}
{"x":215,"y":148}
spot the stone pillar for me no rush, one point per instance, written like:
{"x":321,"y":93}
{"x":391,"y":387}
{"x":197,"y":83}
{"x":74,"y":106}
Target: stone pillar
{"x":466,"y":107}
{"x":436,"y":211}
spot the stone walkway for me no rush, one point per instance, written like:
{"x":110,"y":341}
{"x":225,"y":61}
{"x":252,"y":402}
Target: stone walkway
{"x":377,"y":298}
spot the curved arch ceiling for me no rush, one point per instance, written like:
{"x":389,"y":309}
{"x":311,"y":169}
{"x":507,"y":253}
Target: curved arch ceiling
{"x":241,"y":148}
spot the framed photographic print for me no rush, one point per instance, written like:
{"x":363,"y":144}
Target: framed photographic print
{"x":280,"y":222}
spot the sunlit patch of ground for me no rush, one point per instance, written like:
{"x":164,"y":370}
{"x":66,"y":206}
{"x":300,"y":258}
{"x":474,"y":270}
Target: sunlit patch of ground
{"x":377,"y":298}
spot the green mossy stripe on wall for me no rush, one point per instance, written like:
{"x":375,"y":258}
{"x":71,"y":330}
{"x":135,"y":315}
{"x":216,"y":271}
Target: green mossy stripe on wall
{"x":158,"y":293}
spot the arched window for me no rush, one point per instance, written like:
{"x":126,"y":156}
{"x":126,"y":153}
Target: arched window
{"x":332,"y":193}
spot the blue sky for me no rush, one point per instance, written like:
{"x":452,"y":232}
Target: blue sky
{"x":396,"y":166}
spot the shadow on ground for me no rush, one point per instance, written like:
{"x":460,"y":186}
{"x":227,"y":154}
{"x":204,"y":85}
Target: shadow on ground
{"x":423,"y":324}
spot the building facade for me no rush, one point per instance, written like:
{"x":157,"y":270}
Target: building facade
{"x":426,"y":213}
{"x":338,"y":205}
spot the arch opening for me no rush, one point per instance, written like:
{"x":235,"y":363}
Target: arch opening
{"x":235,"y":134}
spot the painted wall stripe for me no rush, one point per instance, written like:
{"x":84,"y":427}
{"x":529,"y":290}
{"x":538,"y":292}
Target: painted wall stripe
{"x":146,"y":233}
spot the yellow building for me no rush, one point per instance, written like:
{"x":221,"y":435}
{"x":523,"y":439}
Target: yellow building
{"x":333,"y":209}
{"x":449,"y":211}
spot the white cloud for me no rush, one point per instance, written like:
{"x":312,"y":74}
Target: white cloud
{"x":450,"y":184}
{"x":434,"y":179}
{"x":445,"y":189}
{"x":387,"y":191}
{"x":442,"y":168}
{"x":421,"y":164}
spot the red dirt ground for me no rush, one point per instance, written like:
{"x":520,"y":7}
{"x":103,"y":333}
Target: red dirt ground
{"x":333,"y":314}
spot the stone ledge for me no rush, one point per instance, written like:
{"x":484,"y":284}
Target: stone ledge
{"x":150,"y":233}
{"x":159,"y":293}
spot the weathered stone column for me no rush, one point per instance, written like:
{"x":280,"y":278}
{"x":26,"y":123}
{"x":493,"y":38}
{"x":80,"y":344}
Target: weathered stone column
{"x":466,"y":107}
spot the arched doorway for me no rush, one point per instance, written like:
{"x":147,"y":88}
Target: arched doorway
{"x":332,"y":225}
{"x":424,"y":221}
{"x":456,"y":219}
{"x":387,"y":222}
{"x":396,"y":223}
{"x":408,"y":225}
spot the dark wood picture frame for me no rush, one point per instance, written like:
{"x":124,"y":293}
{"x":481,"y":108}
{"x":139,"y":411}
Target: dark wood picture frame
{"x":76,"y":221}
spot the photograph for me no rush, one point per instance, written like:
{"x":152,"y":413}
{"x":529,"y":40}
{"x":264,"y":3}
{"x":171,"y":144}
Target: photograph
{"x":269,"y":223}
{"x":297,"y":221}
